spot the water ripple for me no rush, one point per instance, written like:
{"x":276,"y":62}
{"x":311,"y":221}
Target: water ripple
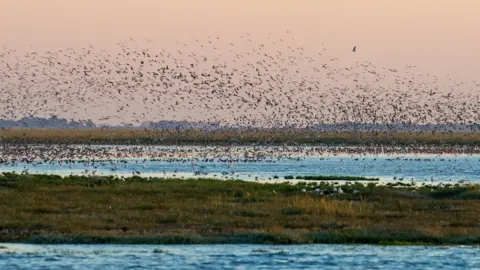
{"x":36,"y":257}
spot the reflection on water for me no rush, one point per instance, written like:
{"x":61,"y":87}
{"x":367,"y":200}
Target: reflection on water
{"x":16,"y":256}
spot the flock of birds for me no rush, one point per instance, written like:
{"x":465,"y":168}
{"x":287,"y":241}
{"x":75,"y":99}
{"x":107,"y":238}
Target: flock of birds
{"x":49,"y":153}
{"x":272,"y":82}
{"x":215,"y":161}
{"x":11,"y":154}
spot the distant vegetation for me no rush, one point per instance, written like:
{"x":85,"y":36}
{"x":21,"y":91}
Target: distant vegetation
{"x":51,"y":209}
{"x":234,"y":137}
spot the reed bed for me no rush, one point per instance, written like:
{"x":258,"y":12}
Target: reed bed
{"x":225,"y":137}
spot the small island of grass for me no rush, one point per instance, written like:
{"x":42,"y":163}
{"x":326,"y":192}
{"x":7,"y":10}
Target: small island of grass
{"x":331,"y":178}
{"x":78,"y":209}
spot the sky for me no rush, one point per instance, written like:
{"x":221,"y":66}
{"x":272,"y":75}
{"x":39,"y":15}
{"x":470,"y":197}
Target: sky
{"x":438,"y":36}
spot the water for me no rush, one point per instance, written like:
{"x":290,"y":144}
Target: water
{"x":419,"y":168}
{"x":18,"y":256}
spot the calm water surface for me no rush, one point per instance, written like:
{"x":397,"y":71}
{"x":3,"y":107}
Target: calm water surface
{"x":16,"y":256}
{"x":440,"y":168}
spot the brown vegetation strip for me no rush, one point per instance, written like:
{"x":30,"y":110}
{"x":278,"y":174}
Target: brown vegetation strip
{"x":208,"y":211}
{"x":135,"y":136}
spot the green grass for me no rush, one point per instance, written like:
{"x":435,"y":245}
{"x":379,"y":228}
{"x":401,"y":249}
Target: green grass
{"x":51,"y":209}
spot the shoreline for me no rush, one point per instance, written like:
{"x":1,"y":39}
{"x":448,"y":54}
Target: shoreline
{"x":382,"y":181}
{"x":352,"y":238}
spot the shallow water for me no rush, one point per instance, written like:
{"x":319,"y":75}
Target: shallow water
{"x":17,"y":256}
{"x":423,"y":168}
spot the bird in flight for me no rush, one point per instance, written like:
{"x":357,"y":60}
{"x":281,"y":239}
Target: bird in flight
{"x":354,"y":49}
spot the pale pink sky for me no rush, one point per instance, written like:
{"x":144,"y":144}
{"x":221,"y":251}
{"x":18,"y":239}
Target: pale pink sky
{"x":439,"y":36}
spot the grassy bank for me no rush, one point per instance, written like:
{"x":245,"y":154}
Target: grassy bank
{"x":228,"y":137}
{"x":50,"y":209}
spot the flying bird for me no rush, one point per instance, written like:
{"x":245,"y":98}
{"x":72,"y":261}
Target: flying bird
{"x":354,"y":49}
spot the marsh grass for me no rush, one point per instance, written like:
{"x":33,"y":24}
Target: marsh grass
{"x":225,"y":137}
{"x":51,"y":209}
